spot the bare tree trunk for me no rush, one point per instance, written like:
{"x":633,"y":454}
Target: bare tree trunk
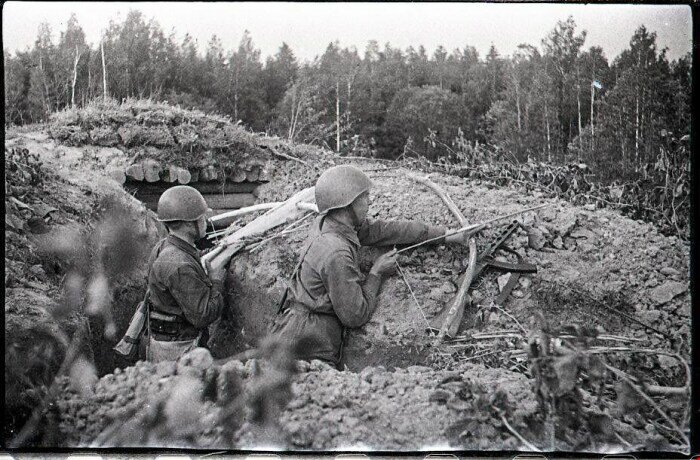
{"x":75,"y":76}
{"x":337,"y":116}
{"x":549,"y":142}
{"x":517,"y":103}
{"x":291,"y":116}
{"x":636,"y":136}
{"x":347,"y":103}
{"x":592,"y":124}
{"x":636,"y":124}
{"x":104,"y":71}
{"x":46,"y":87}
{"x":622,"y":142}
{"x":580,"y":127}
{"x":235,"y":94}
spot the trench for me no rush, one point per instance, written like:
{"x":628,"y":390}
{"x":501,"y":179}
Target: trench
{"x":253,"y":288}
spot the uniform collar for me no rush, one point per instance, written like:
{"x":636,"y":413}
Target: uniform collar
{"x":183,"y":245}
{"x":331,"y":225}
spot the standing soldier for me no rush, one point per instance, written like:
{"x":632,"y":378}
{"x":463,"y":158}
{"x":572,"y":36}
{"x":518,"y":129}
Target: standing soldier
{"x":183,"y":298}
{"x":327,"y":292}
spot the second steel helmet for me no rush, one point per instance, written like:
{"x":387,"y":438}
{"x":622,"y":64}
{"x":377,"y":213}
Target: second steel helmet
{"x":181,"y":202}
{"x":339,"y":186}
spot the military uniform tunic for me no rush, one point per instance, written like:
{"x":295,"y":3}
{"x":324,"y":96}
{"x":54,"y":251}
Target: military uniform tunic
{"x":328,"y":292}
{"x":180,"y":288}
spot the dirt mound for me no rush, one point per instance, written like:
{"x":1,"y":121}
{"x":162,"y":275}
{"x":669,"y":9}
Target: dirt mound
{"x":599,"y":253}
{"x":146,"y":129}
{"x":52,"y":222}
{"x":329,"y":409}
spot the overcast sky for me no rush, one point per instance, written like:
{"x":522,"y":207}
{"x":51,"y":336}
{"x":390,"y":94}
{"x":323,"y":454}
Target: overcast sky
{"x":309,"y":27}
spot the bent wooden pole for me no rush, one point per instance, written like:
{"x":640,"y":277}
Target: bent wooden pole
{"x":454,"y":315}
{"x":443,"y":195}
{"x":244,"y":211}
{"x":284,"y":212}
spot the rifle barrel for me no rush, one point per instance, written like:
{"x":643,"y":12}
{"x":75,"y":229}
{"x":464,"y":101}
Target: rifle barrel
{"x":471,"y":227}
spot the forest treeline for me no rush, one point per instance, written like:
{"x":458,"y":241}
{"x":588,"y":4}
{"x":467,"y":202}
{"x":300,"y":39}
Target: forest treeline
{"x":560,"y":102}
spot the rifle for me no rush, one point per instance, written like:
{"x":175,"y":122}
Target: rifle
{"x":472,"y":227}
{"x":452,"y":317}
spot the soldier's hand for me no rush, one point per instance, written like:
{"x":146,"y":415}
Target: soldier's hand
{"x":216,"y":269}
{"x":385,"y":264}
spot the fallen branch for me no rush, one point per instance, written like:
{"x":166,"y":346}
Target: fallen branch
{"x":271,"y":219}
{"x":516,"y":434}
{"x":648,"y":399}
{"x":285,"y":231}
{"x":600,"y":350}
{"x":510,"y":316}
{"x":244,"y":211}
{"x":289,"y":157}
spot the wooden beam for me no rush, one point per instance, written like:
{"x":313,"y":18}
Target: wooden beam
{"x":285,"y":212}
{"x":170,"y":173}
{"x":151,"y":170}
{"x":183,"y":176}
{"x":452,"y":320}
{"x":238,"y":175}
{"x":135,"y":172}
{"x":118,"y":175}
{"x":208,"y":174}
{"x":223,"y":218}
{"x":443,"y":196}
{"x":253,"y":174}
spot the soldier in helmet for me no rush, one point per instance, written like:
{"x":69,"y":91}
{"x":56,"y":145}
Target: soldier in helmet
{"x":327,"y":291}
{"x":183,"y":298}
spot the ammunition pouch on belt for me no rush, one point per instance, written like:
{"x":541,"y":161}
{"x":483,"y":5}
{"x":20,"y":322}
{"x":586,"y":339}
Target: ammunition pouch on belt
{"x":167,"y":327}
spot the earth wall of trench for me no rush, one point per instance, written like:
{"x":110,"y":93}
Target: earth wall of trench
{"x":625,"y":264}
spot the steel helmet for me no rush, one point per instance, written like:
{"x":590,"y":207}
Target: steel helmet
{"x":181,"y":202}
{"x":339,"y":186}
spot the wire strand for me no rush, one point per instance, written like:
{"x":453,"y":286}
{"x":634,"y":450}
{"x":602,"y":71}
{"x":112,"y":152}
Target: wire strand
{"x":405,"y":280}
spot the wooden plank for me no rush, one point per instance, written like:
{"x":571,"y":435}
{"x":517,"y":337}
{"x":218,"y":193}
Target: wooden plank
{"x":219,"y":215}
{"x":151,"y":170}
{"x":135,"y":172}
{"x":238,"y":175}
{"x":118,"y":175}
{"x":264,"y":174}
{"x":170,"y":174}
{"x":223,"y":218}
{"x":208,"y":174}
{"x":287,"y":211}
{"x":253,"y":174}
{"x":231,"y":201}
